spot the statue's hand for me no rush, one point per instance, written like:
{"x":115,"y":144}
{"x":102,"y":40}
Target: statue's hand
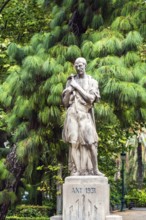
{"x":69,"y":89}
{"x":74,"y":84}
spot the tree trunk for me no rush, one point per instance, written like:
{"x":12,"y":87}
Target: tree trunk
{"x":140,"y":165}
{"x":59,"y":192}
{"x":16,"y":168}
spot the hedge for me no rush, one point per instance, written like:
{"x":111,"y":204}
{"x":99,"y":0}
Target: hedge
{"x":26,"y":218}
{"x":28,"y":212}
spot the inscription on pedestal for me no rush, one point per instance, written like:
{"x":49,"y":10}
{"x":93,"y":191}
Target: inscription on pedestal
{"x":83,"y":190}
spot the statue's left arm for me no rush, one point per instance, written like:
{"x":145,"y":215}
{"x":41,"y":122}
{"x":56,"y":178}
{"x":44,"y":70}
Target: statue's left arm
{"x":95,"y":90}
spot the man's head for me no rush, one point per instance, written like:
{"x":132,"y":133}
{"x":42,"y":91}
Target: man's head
{"x":80,"y":65}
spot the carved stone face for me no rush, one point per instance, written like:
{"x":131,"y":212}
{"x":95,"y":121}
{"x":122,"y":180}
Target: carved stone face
{"x":80,"y":68}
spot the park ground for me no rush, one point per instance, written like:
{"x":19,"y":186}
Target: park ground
{"x":133,"y":214}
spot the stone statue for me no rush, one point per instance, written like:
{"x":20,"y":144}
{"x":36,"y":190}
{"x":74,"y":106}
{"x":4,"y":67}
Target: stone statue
{"x":79,"y":127}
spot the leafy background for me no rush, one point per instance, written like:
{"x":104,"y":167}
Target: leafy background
{"x":39,"y":42}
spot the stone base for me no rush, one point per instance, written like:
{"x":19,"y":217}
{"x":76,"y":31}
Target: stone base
{"x":56,"y":217}
{"x":85,"y":198}
{"x":113,"y":217}
{"x":108,"y":217}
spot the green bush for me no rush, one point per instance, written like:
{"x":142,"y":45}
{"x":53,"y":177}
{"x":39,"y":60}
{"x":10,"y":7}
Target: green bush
{"x":26,"y":218}
{"x":115,"y":193}
{"x":137,"y":196}
{"x":30,"y":211}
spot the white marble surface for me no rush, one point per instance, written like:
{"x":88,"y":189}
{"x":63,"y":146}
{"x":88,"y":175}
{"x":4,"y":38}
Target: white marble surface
{"x":113,"y":217}
{"x":85,"y":198}
{"x":56,"y":217}
{"x":87,"y":179}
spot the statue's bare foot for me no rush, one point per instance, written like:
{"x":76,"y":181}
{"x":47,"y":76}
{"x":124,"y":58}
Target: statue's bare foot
{"x":90,"y":172}
{"x":76,"y":173}
{"x":98,"y":173}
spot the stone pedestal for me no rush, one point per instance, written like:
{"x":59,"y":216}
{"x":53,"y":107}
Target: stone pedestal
{"x":113,"y":217}
{"x":56,"y":217}
{"x":85,"y":198}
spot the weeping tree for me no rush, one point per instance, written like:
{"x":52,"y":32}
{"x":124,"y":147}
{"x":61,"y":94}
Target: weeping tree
{"x":109,"y":34}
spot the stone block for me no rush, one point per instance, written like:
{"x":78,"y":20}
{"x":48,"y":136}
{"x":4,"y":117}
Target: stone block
{"x":113,"y":217}
{"x":56,"y":217}
{"x":85,"y":198}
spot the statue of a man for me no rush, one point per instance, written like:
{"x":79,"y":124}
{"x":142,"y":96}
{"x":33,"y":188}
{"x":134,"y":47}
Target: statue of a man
{"x":79,"y":128}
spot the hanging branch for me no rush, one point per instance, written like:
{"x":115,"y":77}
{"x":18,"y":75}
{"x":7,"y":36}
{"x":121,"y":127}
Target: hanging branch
{"x":4,"y":5}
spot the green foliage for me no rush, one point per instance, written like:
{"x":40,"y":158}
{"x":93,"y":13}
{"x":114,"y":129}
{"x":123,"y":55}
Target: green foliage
{"x":88,"y":15}
{"x":27,"y":18}
{"x":124,"y":24}
{"x":143,"y":113}
{"x":143,"y":30}
{"x":49,"y":41}
{"x":59,"y":18}
{"x":70,"y":39}
{"x":7,"y":196}
{"x":33,"y":63}
{"x":112,"y":42}
{"x":110,"y":145}
{"x":30,"y":211}
{"x":143,"y":82}
{"x":136,"y":196}
{"x":26,"y":218}
{"x":139,"y":71}
{"x":97,"y":21}
{"x":16,"y":53}
{"x":69,"y":3}
{"x":87,"y":49}
{"x":140,"y":15}
{"x":131,"y":58}
{"x":73,"y":52}
{"x":108,"y":46}
{"x":4,"y":173}
{"x":129,"y":8}
{"x":111,"y":60}
{"x":4,"y":61}
{"x":19,"y":21}
{"x":105,"y":113}
{"x":12,"y":50}
{"x":132,"y":40}
{"x":59,"y":53}
{"x":115,"y":193}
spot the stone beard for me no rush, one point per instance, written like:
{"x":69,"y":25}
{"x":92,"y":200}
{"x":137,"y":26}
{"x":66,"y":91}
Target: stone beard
{"x":79,"y":130}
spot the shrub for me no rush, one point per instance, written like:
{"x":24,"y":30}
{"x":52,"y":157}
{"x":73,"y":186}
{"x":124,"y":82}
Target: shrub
{"x":115,"y":193}
{"x":30,"y":211}
{"x":26,"y":218}
{"x":138,"y":197}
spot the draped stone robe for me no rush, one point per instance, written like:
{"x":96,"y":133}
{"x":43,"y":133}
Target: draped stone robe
{"x":79,"y":125}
